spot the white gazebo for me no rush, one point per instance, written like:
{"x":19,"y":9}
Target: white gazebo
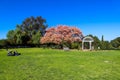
{"x":89,"y":40}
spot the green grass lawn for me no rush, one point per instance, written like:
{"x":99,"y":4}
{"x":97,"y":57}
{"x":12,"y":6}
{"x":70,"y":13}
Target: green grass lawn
{"x":48,"y":64}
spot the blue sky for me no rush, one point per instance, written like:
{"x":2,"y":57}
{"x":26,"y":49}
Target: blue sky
{"x":97,"y":17}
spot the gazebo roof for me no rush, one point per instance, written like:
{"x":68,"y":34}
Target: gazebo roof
{"x":88,"y":39}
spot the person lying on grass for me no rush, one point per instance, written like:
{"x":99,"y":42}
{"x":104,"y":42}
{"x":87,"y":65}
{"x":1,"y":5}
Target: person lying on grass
{"x":13,"y":53}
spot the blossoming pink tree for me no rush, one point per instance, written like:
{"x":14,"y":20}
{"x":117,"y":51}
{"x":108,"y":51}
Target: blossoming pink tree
{"x":61,"y":33}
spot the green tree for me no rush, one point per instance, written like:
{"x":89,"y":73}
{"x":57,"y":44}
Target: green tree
{"x":10,"y":34}
{"x":11,"y":37}
{"x":96,"y":42}
{"x":34,"y":24}
{"x":115,"y":43}
{"x":29,"y":32}
{"x":102,"y":39}
{"x":103,"y":43}
{"x":3,"y":43}
{"x":18,"y":34}
{"x":35,"y":28}
{"x":107,"y":45}
{"x":36,"y":37}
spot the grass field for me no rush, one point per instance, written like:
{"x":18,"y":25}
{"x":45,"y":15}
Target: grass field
{"x":48,"y":64}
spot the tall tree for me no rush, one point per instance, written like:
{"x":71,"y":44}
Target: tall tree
{"x":29,"y":32}
{"x":102,"y":39}
{"x":34,"y":24}
{"x":103,"y":43}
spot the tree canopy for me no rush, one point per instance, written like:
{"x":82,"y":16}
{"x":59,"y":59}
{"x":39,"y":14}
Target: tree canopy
{"x":29,"y":32}
{"x":116,"y":43}
{"x":62,"y":34}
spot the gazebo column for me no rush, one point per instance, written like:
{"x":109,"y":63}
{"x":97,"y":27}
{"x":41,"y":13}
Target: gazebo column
{"x":82,"y":45}
{"x":90,"y":44}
